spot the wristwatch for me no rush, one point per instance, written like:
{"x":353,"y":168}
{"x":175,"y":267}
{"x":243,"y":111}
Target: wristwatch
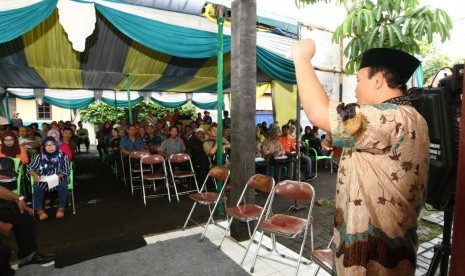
{"x":20,"y":198}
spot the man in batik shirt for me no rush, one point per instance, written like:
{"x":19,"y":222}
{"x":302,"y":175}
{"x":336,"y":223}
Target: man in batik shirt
{"x":383,"y":170}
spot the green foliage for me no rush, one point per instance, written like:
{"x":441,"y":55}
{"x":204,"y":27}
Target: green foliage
{"x":433,"y":65}
{"x":398,"y":24}
{"x":99,"y":113}
{"x":143,"y":110}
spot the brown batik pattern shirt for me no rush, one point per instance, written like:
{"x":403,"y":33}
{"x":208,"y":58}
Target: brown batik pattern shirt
{"x":380,"y":188}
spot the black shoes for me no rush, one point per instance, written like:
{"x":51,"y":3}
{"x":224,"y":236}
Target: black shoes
{"x":39,"y":259}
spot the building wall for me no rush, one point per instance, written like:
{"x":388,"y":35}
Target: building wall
{"x":28,"y":112}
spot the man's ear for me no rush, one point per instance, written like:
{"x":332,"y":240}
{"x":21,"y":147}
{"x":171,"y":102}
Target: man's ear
{"x":379,"y":80}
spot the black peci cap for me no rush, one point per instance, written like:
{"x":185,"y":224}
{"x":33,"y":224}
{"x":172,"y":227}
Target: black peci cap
{"x":402,"y":63}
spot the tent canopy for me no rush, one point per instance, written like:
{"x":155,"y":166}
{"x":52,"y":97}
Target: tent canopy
{"x":158,"y":50}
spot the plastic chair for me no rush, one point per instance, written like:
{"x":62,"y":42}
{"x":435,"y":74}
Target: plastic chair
{"x":324,"y":259}
{"x":177,"y":160}
{"x":249,"y":212}
{"x":312,"y":151}
{"x":70,"y":188}
{"x":285,"y":225}
{"x":19,"y":171}
{"x":153,"y":175}
{"x":203,"y":197}
{"x":135,"y":168}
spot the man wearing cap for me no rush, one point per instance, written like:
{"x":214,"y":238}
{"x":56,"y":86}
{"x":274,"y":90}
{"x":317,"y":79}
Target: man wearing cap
{"x":383,"y":170}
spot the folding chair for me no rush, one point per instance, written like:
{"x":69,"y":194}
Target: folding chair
{"x":324,"y":259}
{"x":176,"y":161}
{"x":249,"y":212}
{"x":135,"y":168}
{"x":153,"y":160}
{"x":320,"y":157}
{"x":123,"y":169}
{"x":285,"y":225}
{"x":203,"y":197}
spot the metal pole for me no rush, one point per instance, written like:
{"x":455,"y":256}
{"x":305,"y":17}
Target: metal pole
{"x":219,"y":107}
{"x":116,"y":109}
{"x":7,"y":107}
{"x":128,"y":91}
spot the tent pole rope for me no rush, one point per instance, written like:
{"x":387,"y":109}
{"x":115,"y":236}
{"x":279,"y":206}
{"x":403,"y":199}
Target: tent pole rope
{"x":219,"y":142}
{"x":7,"y":104}
{"x":128,"y":91}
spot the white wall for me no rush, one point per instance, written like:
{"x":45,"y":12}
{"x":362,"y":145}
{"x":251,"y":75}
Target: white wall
{"x":28,"y":112}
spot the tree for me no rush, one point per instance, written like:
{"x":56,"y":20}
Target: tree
{"x":433,"y":61}
{"x":398,"y":24}
{"x":100,"y":113}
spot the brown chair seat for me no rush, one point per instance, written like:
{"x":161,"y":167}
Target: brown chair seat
{"x":284,"y":225}
{"x":154,"y":176}
{"x":204,"y":198}
{"x":145,"y":168}
{"x":181,"y":174}
{"x":324,"y":258}
{"x":247,"y":212}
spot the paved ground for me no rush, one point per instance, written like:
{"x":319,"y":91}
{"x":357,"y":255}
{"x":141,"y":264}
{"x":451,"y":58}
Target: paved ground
{"x":106,"y":209}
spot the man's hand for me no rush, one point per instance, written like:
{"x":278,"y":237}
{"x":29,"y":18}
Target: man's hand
{"x":327,"y":143}
{"x":5,"y":228}
{"x":23,"y":207}
{"x":303,"y":49}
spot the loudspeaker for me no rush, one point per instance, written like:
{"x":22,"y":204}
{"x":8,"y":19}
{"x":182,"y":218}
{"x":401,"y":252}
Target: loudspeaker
{"x":441,"y":109}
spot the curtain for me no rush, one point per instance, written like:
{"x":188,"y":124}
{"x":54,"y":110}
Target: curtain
{"x":166,"y":38}
{"x":277,"y":67}
{"x":17,"y":21}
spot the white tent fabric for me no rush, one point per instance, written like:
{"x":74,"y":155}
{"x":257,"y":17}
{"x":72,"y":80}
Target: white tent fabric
{"x":78,"y":21}
{"x":16,"y":4}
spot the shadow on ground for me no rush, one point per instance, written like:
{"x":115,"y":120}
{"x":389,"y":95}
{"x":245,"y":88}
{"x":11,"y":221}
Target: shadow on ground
{"x":106,"y":209}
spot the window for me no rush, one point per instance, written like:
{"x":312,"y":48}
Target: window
{"x":44,"y":111}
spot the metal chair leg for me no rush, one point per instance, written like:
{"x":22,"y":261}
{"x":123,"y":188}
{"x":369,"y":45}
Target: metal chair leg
{"x":189,"y":217}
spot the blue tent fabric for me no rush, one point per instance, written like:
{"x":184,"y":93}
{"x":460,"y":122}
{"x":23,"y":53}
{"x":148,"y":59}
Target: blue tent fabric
{"x":14,"y":23}
{"x":178,"y":52}
{"x":165,"y":38}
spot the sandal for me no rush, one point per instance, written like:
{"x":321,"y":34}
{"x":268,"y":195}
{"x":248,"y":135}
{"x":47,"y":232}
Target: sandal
{"x":60,"y":213}
{"x":42,"y":215}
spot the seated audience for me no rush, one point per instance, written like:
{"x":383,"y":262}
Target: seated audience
{"x":198,"y":156}
{"x":210,"y":146}
{"x":16,"y":217}
{"x":289,"y":146}
{"x":11,"y":148}
{"x":131,"y":142}
{"x":29,"y":144}
{"x":83,"y":134}
{"x":173,"y":144}
{"x":50,"y":161}
{"x":66,"y":140}
{"x":62,"y":146}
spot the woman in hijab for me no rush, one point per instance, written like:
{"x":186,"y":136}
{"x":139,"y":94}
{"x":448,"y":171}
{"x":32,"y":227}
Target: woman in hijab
{"x":50,"y":161}
{"x":65,"y":148}
{"x":10,"y":147}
